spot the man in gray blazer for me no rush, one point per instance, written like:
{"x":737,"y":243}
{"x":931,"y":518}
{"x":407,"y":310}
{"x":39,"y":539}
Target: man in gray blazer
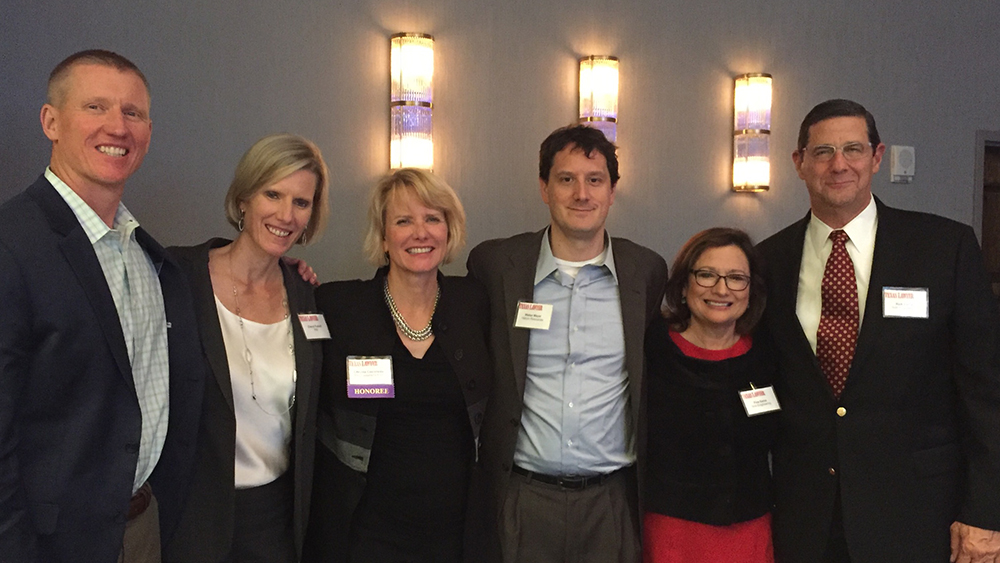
{"x":881,"y":465}
{"x":563,"y":431}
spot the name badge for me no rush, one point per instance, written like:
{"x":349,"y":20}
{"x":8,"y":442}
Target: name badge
{"x":370,"y":377}
{"x":760,"y":400}
{"x":314,"y":326}
{"x":533,"y":315}
{"x":905,"y":302}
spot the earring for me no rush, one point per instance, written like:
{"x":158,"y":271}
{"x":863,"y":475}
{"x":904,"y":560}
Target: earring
{"x":302,"y":238}
{"x":240,"y":224}
{"x":684,"y":300}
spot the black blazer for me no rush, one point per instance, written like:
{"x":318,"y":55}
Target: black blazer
{"x":360,"y":324}
{"x":69,"y":418}
{"x":916,"y":446}
{"x":206,"y":529}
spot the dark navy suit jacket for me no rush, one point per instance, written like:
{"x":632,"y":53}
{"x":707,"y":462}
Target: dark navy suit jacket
{"x":917,"y":442}
{"x":69,"y":417}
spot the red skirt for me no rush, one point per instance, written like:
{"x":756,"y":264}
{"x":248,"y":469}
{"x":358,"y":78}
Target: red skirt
{"x":672,"y":540}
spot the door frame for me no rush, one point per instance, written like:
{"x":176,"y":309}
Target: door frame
{"x":983,"y":138}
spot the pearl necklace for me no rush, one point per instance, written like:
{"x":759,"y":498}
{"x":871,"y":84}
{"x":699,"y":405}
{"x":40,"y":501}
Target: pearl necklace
{"x":397,"y":317}
{"x":248,"y":355}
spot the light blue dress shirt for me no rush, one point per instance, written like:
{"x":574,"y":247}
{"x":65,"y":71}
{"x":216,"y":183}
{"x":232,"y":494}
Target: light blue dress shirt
{"x":574,"y":420}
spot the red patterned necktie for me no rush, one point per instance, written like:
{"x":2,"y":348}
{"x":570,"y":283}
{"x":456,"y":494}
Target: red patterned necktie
{"x":838,"y":321}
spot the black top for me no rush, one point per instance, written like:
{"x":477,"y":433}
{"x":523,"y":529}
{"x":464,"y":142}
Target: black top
{"x":348,"y":459}
{"x":418,"y":476}
{"x":707,"y":460}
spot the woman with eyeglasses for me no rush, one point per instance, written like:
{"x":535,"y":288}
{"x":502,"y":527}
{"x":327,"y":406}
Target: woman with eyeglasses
{"x":711,"y":409}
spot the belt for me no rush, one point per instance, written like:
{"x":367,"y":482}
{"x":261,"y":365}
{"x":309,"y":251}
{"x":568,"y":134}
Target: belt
{"x":569,"y":482}
{"x":140,"y":501}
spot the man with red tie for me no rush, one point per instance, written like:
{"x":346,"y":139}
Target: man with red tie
{"x":888,"y":340}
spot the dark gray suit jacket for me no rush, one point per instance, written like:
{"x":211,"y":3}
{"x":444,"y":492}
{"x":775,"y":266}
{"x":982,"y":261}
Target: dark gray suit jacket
{"x":205,"y":532}
{"x":919,"y":443}
{"x":507,"y":268}
{"x":69,"y":418}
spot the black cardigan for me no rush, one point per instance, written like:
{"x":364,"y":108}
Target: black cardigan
{"x":707,"y":460}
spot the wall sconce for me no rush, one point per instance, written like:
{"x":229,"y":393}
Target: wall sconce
{"x":599,"y":94}
{"x":411,"y":64}
{"x":752,"y":133}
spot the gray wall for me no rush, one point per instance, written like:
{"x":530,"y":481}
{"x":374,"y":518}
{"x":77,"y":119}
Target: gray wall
{"x":225,"y":73}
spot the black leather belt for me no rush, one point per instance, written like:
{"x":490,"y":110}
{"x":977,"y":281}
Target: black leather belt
{"x":569,"y":482}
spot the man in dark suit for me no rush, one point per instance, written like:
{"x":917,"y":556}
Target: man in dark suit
{"x":101,"y":374}
{"x":888,"y":341}
{"x":570,"y":305}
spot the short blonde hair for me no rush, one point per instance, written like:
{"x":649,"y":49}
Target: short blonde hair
{"x":271,"y":160}
{"x":432,"y":192}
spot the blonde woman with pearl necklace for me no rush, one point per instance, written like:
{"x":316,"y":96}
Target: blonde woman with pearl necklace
{"x":405,"y":379}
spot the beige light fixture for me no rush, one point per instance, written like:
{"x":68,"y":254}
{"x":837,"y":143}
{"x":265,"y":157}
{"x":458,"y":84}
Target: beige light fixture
{"x":411,"y":142}
{"x":752,"y":133}
{"x":599,"y":94}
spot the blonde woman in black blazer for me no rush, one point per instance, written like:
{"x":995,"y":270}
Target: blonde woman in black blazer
{"x":249,"y":498}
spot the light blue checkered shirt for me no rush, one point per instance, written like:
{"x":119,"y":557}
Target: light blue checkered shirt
{"x":574,"y":420}
{"x":135,"y":287}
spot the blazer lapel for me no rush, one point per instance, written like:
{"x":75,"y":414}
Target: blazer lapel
{"x":783,"y":293}
{"x":80,"y":255}
{"x":884,"y":263}
{"x":209,"y":324}
{"x":632,"y":293}
{"x":303,"y":347}
{"x":518,"y":285}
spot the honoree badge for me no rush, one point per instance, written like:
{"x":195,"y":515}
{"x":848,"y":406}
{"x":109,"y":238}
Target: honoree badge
{"x":370,"y":377}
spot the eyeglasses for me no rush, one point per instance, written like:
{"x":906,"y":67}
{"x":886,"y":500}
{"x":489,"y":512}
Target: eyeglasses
{"x":708,"y":278}
{"x":825,"y":153}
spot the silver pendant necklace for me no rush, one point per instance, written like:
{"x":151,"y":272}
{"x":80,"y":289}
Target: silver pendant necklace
{"x":397,"y":317}
{"x":248,"y":355}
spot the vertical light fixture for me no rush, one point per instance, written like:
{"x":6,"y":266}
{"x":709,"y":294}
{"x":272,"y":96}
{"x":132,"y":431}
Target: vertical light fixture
{"x":411,"y":142}
{"x":752,"y":133}
{"x":599,"y":94}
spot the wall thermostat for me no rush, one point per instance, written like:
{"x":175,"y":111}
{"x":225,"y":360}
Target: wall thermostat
{"x":902,"y":164}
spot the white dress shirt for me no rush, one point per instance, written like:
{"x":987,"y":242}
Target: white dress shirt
{"x":816,"y":249}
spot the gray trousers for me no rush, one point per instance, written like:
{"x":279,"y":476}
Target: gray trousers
{"x":542,"y":523}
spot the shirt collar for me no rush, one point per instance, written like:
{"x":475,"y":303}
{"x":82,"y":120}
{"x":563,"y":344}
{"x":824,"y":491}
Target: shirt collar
{"x":547,"y":261}
{"x":95,"y":228}
{"x":861,"y":229}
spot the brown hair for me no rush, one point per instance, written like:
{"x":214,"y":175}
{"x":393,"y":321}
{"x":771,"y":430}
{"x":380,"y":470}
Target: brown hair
{"x":676,"y":310}
{"x":586,"y":139}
